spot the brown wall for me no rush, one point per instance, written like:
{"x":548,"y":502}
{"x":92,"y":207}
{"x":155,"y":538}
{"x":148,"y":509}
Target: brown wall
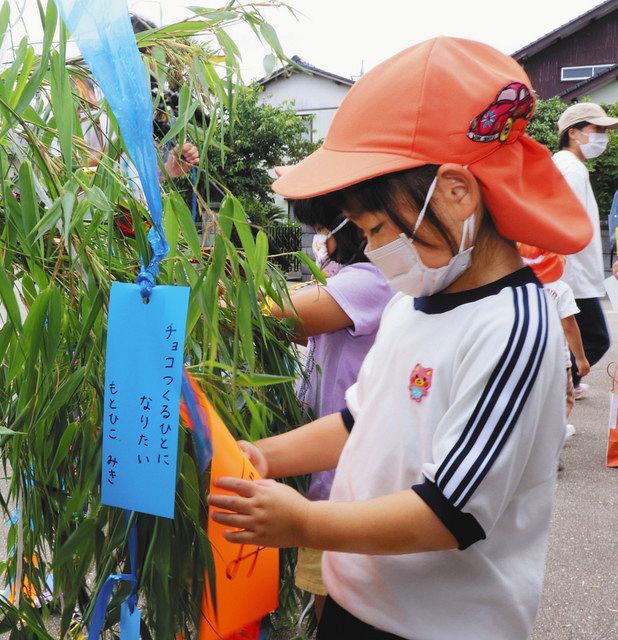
{"x":596,"y":43}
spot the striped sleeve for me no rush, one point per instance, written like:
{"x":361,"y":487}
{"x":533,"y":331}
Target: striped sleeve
{"x":483,"y":442}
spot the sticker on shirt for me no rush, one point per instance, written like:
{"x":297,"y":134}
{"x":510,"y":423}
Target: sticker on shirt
{"x":420,"y":382}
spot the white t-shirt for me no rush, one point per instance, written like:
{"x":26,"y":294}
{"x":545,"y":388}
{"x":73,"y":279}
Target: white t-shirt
{"x":562,"y":296}
{"x":462,"y":399}
{"x":583,"y":271}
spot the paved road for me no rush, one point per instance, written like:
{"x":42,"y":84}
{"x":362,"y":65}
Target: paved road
{"x":580,"y":599}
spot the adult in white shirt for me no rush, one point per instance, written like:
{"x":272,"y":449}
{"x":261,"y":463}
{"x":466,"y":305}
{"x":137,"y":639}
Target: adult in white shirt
{"x":582,"y":130}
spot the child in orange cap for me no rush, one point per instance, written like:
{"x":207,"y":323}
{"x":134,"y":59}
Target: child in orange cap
{"x":548,"y":267}
{"x":437,"y":523}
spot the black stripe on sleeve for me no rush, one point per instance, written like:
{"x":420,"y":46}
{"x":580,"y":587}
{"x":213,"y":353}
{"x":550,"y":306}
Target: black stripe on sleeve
{"x":464,"y":526}
{"x":348,"y":418}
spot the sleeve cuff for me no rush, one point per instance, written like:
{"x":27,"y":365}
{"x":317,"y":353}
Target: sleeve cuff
{"x":464,"y":526}
{"x":348,"y":418}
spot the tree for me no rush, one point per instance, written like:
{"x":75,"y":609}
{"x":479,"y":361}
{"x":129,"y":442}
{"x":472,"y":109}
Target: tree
{"x":259,"y":137}
{"x":603,"y":170}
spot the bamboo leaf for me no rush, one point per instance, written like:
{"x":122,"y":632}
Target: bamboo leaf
{"x":245,"y":326}
{"x":7,"y":294}
{"x":270,"y":35}
{"x":186,"y":224}
{"x":5,"y":14}
{"x":316,"y":272}
{"x":64,"y":393}
{"x":28,"y":201}
{"x":244,"y":230}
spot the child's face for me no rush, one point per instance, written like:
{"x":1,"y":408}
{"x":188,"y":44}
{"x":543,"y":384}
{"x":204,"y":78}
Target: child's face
{"x":379,"y":230}
{"x":331,"y":243}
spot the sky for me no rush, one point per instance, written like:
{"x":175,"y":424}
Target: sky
{"x":347,"y":36}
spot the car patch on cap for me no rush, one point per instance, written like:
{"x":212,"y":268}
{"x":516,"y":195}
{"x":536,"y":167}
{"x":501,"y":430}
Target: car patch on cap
{"x":513,"y":102}
{"x":420,"y":382}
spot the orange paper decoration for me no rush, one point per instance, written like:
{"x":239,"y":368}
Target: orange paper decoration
{"x":246,"y":576}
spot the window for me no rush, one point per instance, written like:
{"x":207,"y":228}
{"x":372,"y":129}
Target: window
{"x":308,"y":122}
{"x":569,"y":74}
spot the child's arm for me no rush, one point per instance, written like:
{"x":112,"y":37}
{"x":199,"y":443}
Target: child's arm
{"x":315,"y":312}
{"x":574,"y":340}
{"x":313,"y":447}
{"x":272,"y":514}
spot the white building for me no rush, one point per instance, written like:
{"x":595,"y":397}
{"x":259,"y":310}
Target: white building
{"x":316,"y":94}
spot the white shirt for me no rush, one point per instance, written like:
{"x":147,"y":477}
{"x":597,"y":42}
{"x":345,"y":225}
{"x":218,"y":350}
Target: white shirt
{"x":462,"y":399}
{"x":562,"y":296}
{"x":583,"y":271}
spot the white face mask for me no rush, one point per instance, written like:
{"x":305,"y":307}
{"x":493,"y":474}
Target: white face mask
{"x":320,"y":252}
{"x":403,"y":268}
{"x":596,"y":145}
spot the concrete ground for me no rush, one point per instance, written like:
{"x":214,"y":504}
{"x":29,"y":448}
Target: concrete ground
{"x":580,"y":598}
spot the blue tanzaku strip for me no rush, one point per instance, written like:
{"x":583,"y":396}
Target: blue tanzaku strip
{"x":143,"y":378}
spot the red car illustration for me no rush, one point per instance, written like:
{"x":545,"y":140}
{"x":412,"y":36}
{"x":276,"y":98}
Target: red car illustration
{"x":513,"y":102}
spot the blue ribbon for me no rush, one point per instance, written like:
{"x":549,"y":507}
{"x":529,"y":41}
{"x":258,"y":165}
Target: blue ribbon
{"x":201,"y":431}
{"x":105,"y":594}
{"x":103,"y":32}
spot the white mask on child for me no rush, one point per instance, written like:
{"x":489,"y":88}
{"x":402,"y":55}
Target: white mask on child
{"x":320,"y":252}
{"x":403,"y":268}
{"x":596,"y":145}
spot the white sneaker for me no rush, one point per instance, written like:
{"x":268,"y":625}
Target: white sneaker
{"x":581,"y":390}
{"x":569,"y":432}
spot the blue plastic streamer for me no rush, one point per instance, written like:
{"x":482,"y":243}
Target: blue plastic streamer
{"x":105,"y":594}
{"x":103,"y":33}
{"x":199,"y":425}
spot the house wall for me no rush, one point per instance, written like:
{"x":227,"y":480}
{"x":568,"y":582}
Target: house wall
{"x":596,"y":43}
{"x":605,"y":95}
{"x":309,"y":93}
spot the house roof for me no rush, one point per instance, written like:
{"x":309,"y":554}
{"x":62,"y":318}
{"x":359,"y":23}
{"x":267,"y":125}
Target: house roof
{"x":585,"y":86}
{"x":566,"y":30}
{"x":301,"y":65}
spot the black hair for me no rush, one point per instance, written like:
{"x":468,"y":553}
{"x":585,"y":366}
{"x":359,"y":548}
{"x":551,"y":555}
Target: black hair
{"x":389,"y":192}
{"x":564,"y":141}
{"x":140,"y":24}
{"x":319,"y":212}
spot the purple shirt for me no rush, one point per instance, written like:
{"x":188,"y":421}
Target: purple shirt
{"x":334,"y":359}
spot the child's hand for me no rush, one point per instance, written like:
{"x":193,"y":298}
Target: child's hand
{"x":583,"y":368}
{"x":267,"y":513}
{"x":256,"y":457}
{"x":190,"y":156}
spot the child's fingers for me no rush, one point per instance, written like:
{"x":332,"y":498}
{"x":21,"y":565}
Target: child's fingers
{"x":241,"y":537}
{"x":245,"y":488}
{"x":231,"y":519}
{"x":230,"y":503}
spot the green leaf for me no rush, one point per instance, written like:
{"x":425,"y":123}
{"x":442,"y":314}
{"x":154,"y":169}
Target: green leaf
{"x":245,"y":326}
{"x":5,"y":14}
{"x":226,"y":216}
{"x":316,"y":272}
{"x":261,"y":257}
{"x":170,"y":226}
{"x":186,"y":223}
{"x":7,"y":295}
{"x":180,"y":123}
{"x":270,"y":35}
{"x":65,"y":392}
{"x":28,"y":200}
{"x":269,"y":63}
{"x":244,"y":230}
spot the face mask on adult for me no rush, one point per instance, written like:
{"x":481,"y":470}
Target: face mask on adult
{"x":320,"y":252}
{"x":403,"y":268}
{"x":596,"y":145}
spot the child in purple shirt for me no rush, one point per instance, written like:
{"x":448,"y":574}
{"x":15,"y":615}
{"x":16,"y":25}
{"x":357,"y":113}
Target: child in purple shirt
{"x":338,"y":322}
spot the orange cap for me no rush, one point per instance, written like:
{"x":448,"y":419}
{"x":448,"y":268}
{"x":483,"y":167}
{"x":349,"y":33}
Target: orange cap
{"x":449,"y":100}
{"x":547,"y":266}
